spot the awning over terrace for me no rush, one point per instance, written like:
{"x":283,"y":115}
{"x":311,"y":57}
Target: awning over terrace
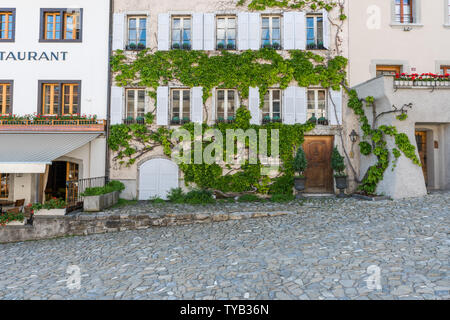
{"x":31,"y":152}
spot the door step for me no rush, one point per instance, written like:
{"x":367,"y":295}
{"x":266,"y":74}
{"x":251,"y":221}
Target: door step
{"x":319,"y":195}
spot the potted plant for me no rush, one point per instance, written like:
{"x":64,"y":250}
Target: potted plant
{"x":230,"y":119}
{"x":338,"y":165}
{"x":176,"y":46}
{"x":276,"y":46}
{"x":300,"y":164}
{"x":53,"y":207}
{"x":266,"y":119}
{"x":98,"y":198}
{"x":185,"y":120}
{"x":231,"y":46}
{"x":221,"y":46}
{"x":132,"y":46}
{"x":186,"y":46}
{"x":313,"y":119}
{"x":140,"y":46}
{"x":12,"y":219}
{"x":175,"y":120}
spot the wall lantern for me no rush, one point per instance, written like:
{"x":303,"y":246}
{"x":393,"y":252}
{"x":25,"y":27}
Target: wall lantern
{"x":353,"y":138}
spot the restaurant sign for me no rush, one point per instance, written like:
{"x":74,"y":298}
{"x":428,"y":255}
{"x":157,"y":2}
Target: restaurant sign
{"x":33,"y":56}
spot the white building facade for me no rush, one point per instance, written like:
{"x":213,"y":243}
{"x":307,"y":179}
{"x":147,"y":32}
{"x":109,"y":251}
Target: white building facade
{"x":53,"y":96}
{"x":212,"y":26}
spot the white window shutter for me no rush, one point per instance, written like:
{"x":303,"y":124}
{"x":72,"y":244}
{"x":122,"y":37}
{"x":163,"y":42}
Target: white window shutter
{"x":301,"y":104}
{"x":163,"y":31}
{"x":208,"y":31}
{"x":253,"y":105}
{"x":326,"y":29}
{"x":118,"y":31}
{"x":197,"y":31}
{"x":242,"y":30}
{"x":117,"y":104}
{"x":336,"y":96}
{"x":300,"y":31}
{"x":197,"y":105}
{"x":289,"y":105}
{"x":254,"y":31}
{"x":162,"y":106}
{"x":289,"y":30}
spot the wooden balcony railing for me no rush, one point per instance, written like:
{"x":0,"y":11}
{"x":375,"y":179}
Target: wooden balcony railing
{"x":52,"y":125}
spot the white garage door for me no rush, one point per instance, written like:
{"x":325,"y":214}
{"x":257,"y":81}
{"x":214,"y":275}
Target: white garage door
{"x":156,"y":178}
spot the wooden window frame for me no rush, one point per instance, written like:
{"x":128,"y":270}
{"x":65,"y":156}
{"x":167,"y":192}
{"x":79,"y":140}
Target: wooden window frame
{"x":383,"y":67}
{"x":445,"y":69}
{"x":135,"y":102}
{"x":271,"y":100}
{"x":181,"y":101}
{"x":317,"y":45}
{"x":271,"y":17}
{"x":4,"y":83}
{"x":225,"y":103}
{"x":60,"y":84}
{"x":316,"y":103}
{"x":181,"y":40}
{"x":227,"y":17}
{"x":63,"y":12}
{"x":138,"y":29}
{"x":8,"y":185}
{"x":12,"y":12}
{"x":402,"y":14}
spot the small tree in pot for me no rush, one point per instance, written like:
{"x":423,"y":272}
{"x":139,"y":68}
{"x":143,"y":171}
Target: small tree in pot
{"x":338,"y":165}
{"x":300,"y":164}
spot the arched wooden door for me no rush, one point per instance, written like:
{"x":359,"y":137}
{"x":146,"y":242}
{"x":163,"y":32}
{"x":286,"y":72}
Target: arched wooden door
{"x":319,"y":174}
{"x":156,"y":178}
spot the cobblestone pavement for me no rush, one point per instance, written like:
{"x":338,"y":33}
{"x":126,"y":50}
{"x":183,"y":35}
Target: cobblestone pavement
{"x":322,"y":252}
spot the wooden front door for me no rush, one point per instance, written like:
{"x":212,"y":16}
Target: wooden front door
{"x":319,"y":175}
{"x":421,"y":140}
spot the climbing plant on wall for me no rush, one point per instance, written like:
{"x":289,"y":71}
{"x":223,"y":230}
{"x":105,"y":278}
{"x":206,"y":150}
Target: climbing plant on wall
{"x":292,"y":4}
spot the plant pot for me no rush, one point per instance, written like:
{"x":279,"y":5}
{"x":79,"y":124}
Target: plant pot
{"x":341,"y":184}
{"x":299,"y":184}
{"x":17,"y":223}
{"x":50,"y":212}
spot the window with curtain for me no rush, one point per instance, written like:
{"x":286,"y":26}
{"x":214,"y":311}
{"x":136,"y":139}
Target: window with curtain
{"x":180,"y":106}
{"x":137,"y":32}
{"x":404,"y":11}
{"x":272,"y":106}
{"x":314,"y":32}
{"x":271,"y":32}
{"x":135,"y":106}
{"x":5,"y":98}
{"x":226,"y":104}
{"x":181,"y":33}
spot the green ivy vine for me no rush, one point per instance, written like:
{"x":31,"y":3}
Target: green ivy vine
{"x":378,"y":143}
{"x":264,"y":68}
{"x":292,"y":4}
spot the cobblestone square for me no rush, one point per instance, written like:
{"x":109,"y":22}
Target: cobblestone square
{"x":321,"y":252}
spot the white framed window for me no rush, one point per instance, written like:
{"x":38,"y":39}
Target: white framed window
{"x":135,"y":106}
{"x":404,"y":11}
{"x":137,"y":32}
{"x":317,"y":110}
{"x":226,"y":32}
{"x":314,"y":32}
{"x":181,"y":32}
{"x":227,"y":102}
{"x":271,"y":111}
{"x":180,"y":106}
{"x":271,"y":32}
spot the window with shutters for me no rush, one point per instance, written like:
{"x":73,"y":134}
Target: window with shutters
{"x":181,"y":33}
{"x":271,"y":32}
{"x":61,"y":25}
{"x":271,"y":111}
{"x":7,"y":25}
{"x":227,"y":102}
{"x":4,"y":186}
{"x":317,"y":106}
{"x":60,"y":98}
{"x":180,"y":106}
{"x":5,"y":97}
{"x":314,"y":32}
{"x":137,"y":33}
{"x":404,"y":11}
{"x":135,"y":106}
{"x":226,"y":33}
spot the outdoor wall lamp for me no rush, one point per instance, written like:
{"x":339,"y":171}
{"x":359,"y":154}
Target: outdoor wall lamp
{"x":353,"y":138}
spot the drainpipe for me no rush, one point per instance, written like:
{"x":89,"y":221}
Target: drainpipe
{"x":108,"y":109}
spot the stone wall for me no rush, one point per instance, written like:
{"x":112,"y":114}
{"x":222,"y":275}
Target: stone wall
{"x":63,"y":226}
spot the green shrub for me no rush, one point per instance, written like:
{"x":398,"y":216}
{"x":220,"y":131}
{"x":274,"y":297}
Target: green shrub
{"x":198,"y":196}
{"x":300,"y":163}
{"x":249,"y":198}
{"x":9,"y":217}
{"x":176,"y":195}
{"x":124,"y":202}
{"x":157,"y":200}
{"x":282,"y":198}
{"x":111,"y":186}
{"x":337,"y":163}
{"x":53,"y":203}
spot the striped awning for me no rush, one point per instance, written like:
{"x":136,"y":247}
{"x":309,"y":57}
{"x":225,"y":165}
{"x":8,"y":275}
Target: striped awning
{"x":30,"y":153}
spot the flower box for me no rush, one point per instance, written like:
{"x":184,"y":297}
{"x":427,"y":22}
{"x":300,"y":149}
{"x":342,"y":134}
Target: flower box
{"x":100,"y":202}
{"x":50,"y":212}
{"x":17,"y":223}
